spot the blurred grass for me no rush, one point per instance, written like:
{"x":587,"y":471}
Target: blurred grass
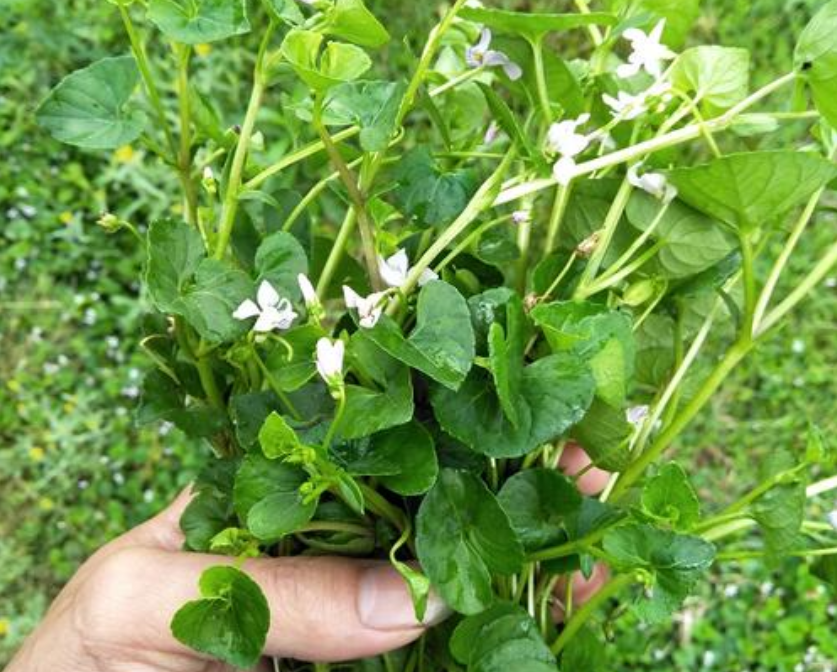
{"x":74,"y":471}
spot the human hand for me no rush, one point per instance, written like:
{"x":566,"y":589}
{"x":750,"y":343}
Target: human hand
{"x":114,"y":615}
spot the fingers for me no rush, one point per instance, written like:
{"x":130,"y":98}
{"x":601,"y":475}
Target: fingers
{"x":322,"y":609}
{"x":582,"y":589}
{"x":574,"y":460}
{"x":163,"y":530}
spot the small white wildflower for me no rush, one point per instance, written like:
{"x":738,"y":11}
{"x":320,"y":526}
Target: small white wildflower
{"x":147,"y":496}
{"x":330,"y":360}
{"x":51,"y":368}
{"x":798,"y":346}
{"x":165,"y":428}
{"x":766,"y":588}
{"x":89,"y":317}
{"x":491,"y":133}
{"x":564,"y":170}
{"x":636,"y":415}
{"x":522,"y":216}
{"x":83,"y":484}
{"x":112,"y":342}
{"x":480,"y":55}
{"x":130,"y":391}
{"x":119,"y":478}
{"x":369,"y":309}
{"x":831,"y":517}
{"x":394,"y":270}
{"x":831,"y":283}
{"x":731,"y":590}
{"x":28,"y":211}
{"x":709,"y":658}
{"x":625,"y":105}
{"x":647,"y":52}
{"x":21,"y":263}
{"x":272,"y":311}
{"x":655,"y":184}
{"x":564,"y":139}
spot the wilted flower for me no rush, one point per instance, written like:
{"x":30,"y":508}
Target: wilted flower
{"x":330,"y":361}
{"x":655,"y":184}
{"x":564,"y":139}
{"x":481,"y":56}
{"x":587,"y":246}
{"x":394,"y":270}
{"x":369,"y":309}
{"x":272,"y":311}
{"x":647,"y":52}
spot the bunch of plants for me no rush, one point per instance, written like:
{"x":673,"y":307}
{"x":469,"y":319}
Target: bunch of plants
{"x":390,"y":321}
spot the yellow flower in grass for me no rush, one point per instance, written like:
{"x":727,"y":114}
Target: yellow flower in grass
{"x":37,"y":454}
{"x":124,"y":154}
{"x":66,"y":217}
{"x":4,"y":627}
{"x":46,"y":504}
{"x":203,"y":49}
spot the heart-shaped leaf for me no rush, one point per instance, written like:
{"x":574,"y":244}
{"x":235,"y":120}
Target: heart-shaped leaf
{"x":199,"y":21}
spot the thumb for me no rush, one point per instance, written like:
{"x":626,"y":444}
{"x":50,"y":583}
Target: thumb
{"x":322,"y":609}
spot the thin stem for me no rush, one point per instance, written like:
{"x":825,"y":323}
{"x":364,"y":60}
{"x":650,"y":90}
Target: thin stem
{"x":466,"y":242}
{"x":560,"y":277}
{"x":456,"y":81}
{"x":609,"y":590}
{"x":275,"y":387}
{"x":335,"y":424}
{"x":595,"y":34}
{"x":559,"y":209}
{"x":540,"y":79}
{"x":749,"y":279}
{"x":336,"y":254}
{"x":610,"y":279}
{"x":184,"y":157}
{"x":336,"y":526}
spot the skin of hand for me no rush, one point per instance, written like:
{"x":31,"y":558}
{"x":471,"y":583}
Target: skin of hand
{"x":114,"y":615}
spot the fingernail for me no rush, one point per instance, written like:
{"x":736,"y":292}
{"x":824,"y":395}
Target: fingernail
{"x":384,"y":602}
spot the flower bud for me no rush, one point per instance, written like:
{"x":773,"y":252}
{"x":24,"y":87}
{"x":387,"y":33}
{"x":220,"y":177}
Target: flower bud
{"x":587,"y":246}
{"x":639,"y":292}
{"x":208,"y":181}
{"x":111,"y":223}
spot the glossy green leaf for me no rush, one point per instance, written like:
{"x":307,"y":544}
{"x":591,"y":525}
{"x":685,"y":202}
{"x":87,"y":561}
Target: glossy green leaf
{"x":693,"y":242}
{"x":279,"y":260}
{"x":248,"y":413}
{"x":229,"y":622}
{"x":779,"y":513}
{"x":403,"y":458}
{"x":505,"y":637}
{"x":816,"y":57}
{"x":175,"y":251}
{"x":506,"y":347}
{"x":286,"y":11}
{"x":209,"y":303}
{"x":205,"y":516}
{"x":556,"y":391}
{"x":715,"y":76}
{"x":277,"y":438}
{"x":351,"y":20}
{"x":462,"y":537}
{"x":537,"y":502}
{"x":266,"y":496}
{"x":338,"y":62}
{"x":533,"y":25}
{"x":199,"y":21}
{"x":669,"y":496}
{"x":442,"y":343}
{"x":680,"y":16}
{"x":752,"y":189}
{"x":604,"y":433}
{"x":373,"y":106}
{"x":292,"y":370}
{"x":90,"y":107}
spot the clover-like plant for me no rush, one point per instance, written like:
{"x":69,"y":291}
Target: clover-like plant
{"x":389,"y":305}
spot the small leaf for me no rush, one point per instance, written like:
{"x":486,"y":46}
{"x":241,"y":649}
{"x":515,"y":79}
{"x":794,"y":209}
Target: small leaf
{"x":779,"y":513}
{"x":532,"y":25}
{"x":231,"y":620}
{"x":175,"y":251}
{"x":199,"y":21}
{"x":352,"y":21}
{"x":89,"y":108}
{"x":537,"y":502}
{"x":208,"y":304}
{"x":816,"y":57}
{"x":286,"y":11}
{"x":669,"y":496}
{"x":604,"y":433}
{"x":715,"y":76}
{"x":680,"y":16}
{"x":276,"y":437}
{"x":463,"y":536}
{"x":338,"y":63}
{"x":442,"y":343}
{"x":752,"y":189}
{"x":373,"y":106}
{"x":279,"y":260}
{"x":205,"y":516}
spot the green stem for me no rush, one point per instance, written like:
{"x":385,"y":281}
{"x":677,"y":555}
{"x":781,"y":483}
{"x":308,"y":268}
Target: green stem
{"x":456,"y":81}
{"x":750,"y":290}
{"x":184,"y":158}
{"x":559,"y":278}
{"x":148,"y":79}
{"x":335,"y":424}
{"x":210,"y":386}
{"x":229,"y":207}
{"x":335,"y":526}
{"x":383,"y":508}
{"x":566,"y":549}
{"x":466,"y":242}
{"x":336,"y":254}
{"x":274,"y":385}
{"x":540,"y":79}
{"x":610,"y":279}
{"x":732,"y":556}
{"x":609,"y":590}
{"x":559,"y":209}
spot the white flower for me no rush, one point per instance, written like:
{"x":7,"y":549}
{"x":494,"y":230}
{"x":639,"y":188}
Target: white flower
{"x":564,"y":170}
{"x":369,"y":309}
{"x":647,"y":52}
{"x":655,"y":184}
{"x":831,"y":516}
{"x":522,"y":216}
{"x":481,"y":56}
{"x":564,"y":139}
{"x":394,"y":270}
{"x":626,"y":105}
{"x":636,"y":415}
{"x":309,"y":294}
{"x":272,"y":311}
{"x":330,"y":360}
{"x":491,"y":133}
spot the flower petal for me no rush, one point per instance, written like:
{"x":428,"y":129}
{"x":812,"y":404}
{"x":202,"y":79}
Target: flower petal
{"x":564,"y":170}
{"x":269,"y":320}
{"x":246,"y":310}
{"x":394,"y":269}
{"x":351,"y":297}
{"x":426,"y":276}
{"x":267,"y":296}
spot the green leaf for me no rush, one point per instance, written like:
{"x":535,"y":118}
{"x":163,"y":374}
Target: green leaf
{"x":506,"y":119}
{"x":505,"y":351}
{"x":532,"y":25}
{"x":352,"y":21}
{"x":442,"y":343}
{"x":276,"y":437}
{"x":556,"y":391}
{"x":674,"y":561}
{"x":175,"y":250}
{"x":680,"y":16}
{"x":163,"y":399}
{"x":825,"y":569}
{"x":231,"y":620}
{"x":209,"y":303}
{"x":601,"y":336}
{"x":389,"y":403}
{"x":750,"y":190}
{"x":503,"y":638}
{"x":403,"y":458}
{"x":373,"y":106}
{"x":292,"y":370}
{"x":199,"y":21}
{"x":816,"y":57}
{"x":279,"y":260}
{"x":248,"y":413}
{"x":266,"y":496}
{"x":462,"y":537}
{"x":584,"y":653}
{"x":537,"y":502}
{"x":286,"y":11}
{"x":428,"y":193}
{"x":604,"y":433}
{"x":779,"y":513}
{"x":205,"y":516}
{"x":693,"y":242}
{"x":89,"y":108}
{"x":338,"y":63}
{"x":716,"y":76}
{"x":669,"y":496}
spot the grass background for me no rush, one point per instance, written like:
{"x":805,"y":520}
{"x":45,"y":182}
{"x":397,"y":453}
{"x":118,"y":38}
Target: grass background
{"x":75,"y":471}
